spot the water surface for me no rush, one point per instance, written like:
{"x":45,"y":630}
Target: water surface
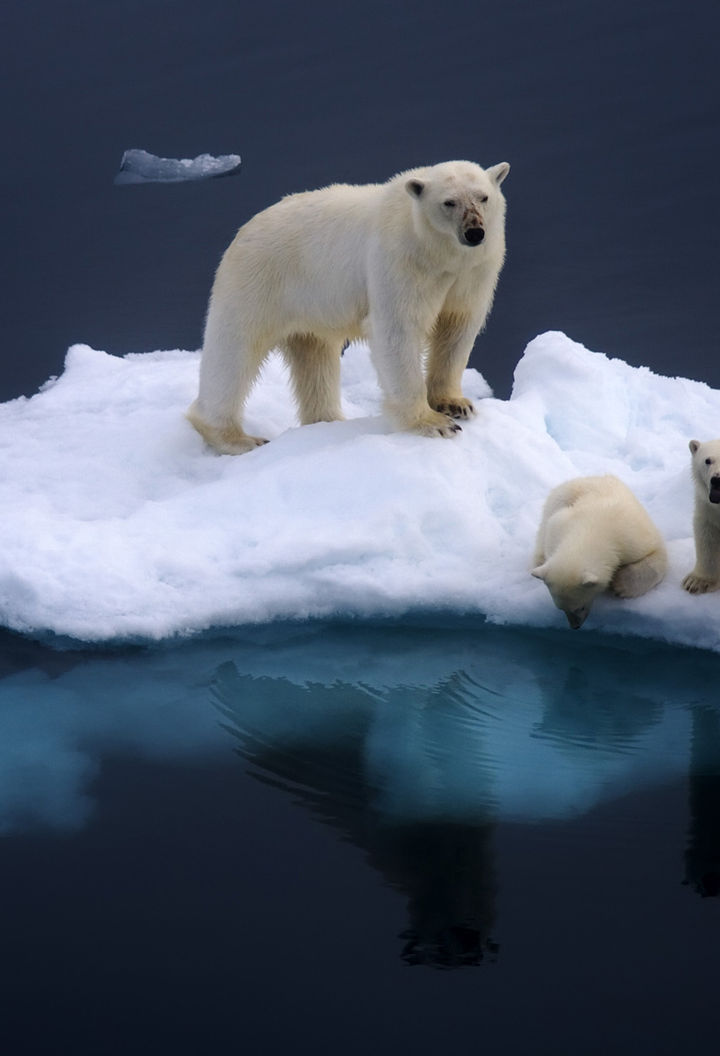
{"x":344,"y":837}
{"x":608,"y":112}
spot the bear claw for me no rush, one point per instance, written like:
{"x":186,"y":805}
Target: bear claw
{"x":697,"y":585}
{"x":454,"y":409}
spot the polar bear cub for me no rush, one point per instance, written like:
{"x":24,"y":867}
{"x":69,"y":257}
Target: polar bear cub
{"x":410,"y":265}
{"x":706,"y":520}
{"x":594,"y":536}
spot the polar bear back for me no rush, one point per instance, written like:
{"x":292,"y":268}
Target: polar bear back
{"x":283,"y":251}
{"x":605,"y":506}
{"x":595,"y":536}
{"x":594,"y":524}
{"x":340,"y":240}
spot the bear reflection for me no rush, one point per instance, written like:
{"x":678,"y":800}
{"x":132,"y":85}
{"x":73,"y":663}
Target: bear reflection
{"x":448,"y":873}
{"x":584,"y":711}
{"x":525,"y":730}
{"x":702,"y":857}
{"x":330,"y":747}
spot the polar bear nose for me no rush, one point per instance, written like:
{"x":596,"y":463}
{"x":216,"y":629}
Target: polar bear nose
{"x":474,"y":236}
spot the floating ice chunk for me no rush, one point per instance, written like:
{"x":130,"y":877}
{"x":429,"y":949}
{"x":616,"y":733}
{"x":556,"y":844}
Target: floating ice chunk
{"x":138,"y":166}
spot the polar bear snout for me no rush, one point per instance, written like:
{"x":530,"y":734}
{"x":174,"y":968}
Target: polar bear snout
{"x":714,"y":495}
{"x":474,"y":235}
{"x":577,"y":617}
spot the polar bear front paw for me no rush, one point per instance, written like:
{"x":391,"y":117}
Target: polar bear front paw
{"x":436,"y":424}
{"x":699,"y":585}
{"x":454,"y":406}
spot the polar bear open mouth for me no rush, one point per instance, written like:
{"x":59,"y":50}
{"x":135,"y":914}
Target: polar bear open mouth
{"x":714,"y":494}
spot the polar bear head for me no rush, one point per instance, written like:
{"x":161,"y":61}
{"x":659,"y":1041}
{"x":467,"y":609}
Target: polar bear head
{"x":459,"y":198}
{"x":572,"y":590}
{"x":706,"y":468}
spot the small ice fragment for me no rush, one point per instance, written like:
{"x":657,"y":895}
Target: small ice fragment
{"x":138,"y":166}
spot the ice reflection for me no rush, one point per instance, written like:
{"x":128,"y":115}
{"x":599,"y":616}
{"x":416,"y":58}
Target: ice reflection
{"x":414,"y":744}
{"x":495,"y":724}
{"x":418,"y":771}
{"x":702,"y":858}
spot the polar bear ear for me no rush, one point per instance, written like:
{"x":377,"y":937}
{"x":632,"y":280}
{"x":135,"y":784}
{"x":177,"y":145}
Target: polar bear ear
{"x":499,"y":172}
{"x":590,"y":579}
{"x":539,"y":571}
{"x":694,"y":445}
{"x":415,"y":188}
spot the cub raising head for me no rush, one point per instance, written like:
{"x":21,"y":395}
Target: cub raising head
{"x":706,"y":468}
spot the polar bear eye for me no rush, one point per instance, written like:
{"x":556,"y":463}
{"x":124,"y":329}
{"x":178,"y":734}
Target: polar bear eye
{"x":484,"y":199}
{"x":708,"y":461}
{"x":450,"y":203}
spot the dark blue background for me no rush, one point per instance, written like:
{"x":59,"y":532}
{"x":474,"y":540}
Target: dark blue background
{"x":606,"y":109}
{"x":245,"y":845}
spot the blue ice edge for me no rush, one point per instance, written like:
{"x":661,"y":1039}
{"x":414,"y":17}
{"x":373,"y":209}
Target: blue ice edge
{"x":417,"y":620}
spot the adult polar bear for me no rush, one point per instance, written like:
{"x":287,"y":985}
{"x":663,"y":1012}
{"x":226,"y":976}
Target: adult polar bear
{"x":410,"y":265}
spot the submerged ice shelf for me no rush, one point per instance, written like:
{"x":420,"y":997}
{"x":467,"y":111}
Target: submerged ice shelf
{"x":432,"y":724}
{"x":119,"y":523}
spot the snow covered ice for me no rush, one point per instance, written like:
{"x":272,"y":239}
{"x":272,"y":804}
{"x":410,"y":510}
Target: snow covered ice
{"x":120,"y":524}
{"x":139,"y":166}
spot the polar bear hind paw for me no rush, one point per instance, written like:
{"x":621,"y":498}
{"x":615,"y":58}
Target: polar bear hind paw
{"x":638,"y":577}
{"x":225,"y":439}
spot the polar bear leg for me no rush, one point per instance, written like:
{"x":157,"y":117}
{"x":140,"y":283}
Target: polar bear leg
{"x":413,"y":412}
{"x":451,"y":342}
{"x":315,"y":374}
{"x":705,"y":577}
{"x":632,"y":580}
{"x":228,"y":370}
{"x":397,"y":355}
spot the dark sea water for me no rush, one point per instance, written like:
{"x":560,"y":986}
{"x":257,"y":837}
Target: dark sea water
{"x":344,"y":839}
{"x":607,"y":110}
{"x":360,"y":839}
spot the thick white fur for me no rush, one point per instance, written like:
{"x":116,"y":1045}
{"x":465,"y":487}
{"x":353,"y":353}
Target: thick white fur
{"x":706,"y":520}
{"x":389,"y":263}
{"x":594,"y":536}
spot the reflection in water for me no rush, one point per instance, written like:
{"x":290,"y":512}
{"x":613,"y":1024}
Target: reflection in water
{"x":418,"y":772}
{"x":444,"y":865}
{"x":448,"y":872}
{"x":583,"y":710}
{"x":413,"y":744}
{"x":702,"y":858}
